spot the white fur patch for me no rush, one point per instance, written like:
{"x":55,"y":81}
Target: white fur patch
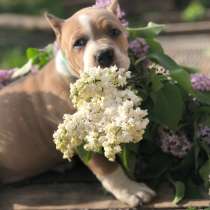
{"x":93,"y":46}
{"x":121,"y":59}
{"x":126,"y":190}
{"x":89,"y":54}
{"x":85,"y":21}
{"x":63,"y":67}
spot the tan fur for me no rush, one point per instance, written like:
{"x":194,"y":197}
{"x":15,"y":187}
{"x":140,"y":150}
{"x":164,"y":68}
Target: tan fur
{"x":101,"y":21}
{"x":32,"y":108}
{"x":30,"y":111}
{"x":101,"y":166}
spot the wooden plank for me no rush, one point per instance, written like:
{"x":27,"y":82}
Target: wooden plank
{"x":78,"y":196}
{"x":169,"y":16}
{"x":165,"y":198}
{"x":189,"y":49}
{"x":57,"y":196}
{"x":28,"y":22}
{"x":198,"y":27}
{"x":78,"y":3}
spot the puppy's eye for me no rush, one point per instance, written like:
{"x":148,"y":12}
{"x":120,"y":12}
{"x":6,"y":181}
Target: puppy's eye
{"x":80,"y":42}
{"x":114,"y":32}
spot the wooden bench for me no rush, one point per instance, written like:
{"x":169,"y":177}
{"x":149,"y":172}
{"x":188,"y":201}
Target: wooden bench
{"x":76,"y":189}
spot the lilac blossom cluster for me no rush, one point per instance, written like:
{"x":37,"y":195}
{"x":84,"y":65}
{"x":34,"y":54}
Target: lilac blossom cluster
{"x":173,"y":143}
{"x":200,"y":82}
{"x":139,"y":47}
{"x":160,"y":70}
{"x":5,"y":77}
{"x":203,"y":133}
{"x":120,"y":13}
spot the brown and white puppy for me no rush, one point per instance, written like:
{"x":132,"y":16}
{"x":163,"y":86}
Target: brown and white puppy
{"x":31,"y":108}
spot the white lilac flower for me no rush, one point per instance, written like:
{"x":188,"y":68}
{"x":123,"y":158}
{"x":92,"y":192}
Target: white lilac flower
{"x":200,"y":82}
{"x":173,"y":143}
{"x":120,"y":12}
{"x":108,"y":114}
{"x":160,"y":70}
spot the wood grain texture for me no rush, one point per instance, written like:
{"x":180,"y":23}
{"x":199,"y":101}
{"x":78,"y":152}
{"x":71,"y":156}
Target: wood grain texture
{"x":69,"y":196}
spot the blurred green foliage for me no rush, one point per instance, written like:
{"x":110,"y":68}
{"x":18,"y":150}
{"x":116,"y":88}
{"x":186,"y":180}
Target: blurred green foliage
{"x":32,"y":6}
{"x":191,"y":10}
{"x":194,"y":11}
{"x":12,"y":58}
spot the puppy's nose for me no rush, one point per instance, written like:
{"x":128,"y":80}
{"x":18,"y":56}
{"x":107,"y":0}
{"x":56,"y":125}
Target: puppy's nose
{"x":105,"y":57}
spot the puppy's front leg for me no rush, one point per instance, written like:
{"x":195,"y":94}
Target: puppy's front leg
{"x":114,"y":180}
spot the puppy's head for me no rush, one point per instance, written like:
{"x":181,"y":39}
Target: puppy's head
{"x":92,"y":37}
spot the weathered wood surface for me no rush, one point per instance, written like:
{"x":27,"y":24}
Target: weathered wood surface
{"x":25,"y":22}
{"x":28,"y":22}
{"x":77,"y":188}
{"x":190,"y":50}
{"x":69,"y":196}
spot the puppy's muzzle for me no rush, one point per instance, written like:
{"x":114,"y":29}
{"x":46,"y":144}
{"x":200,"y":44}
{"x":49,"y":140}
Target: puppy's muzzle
{"x":105,"y":57}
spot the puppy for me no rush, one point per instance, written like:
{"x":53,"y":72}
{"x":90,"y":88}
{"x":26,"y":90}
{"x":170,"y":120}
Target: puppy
{"x":32,"y":107}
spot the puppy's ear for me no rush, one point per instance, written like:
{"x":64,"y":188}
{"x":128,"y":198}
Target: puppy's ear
{"x":113,"y":6}
{"x":55,"y":23}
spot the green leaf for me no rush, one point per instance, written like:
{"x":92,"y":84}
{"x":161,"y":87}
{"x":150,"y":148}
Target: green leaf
{"x":203,"y":97}
{"x":150,"y":31}
{"x":157,"y":164}
{"x":168,"y":106}
{"x":184,"y":166}
{"x":206,"y":148}
{"x":164,"y":60}
{"x":32,"y":53}
{"x":189,"y":69}
{"x":156,"y":83}
{"x":84,"y":154}
{"x":183,"y":78}
{"x":40,"y":57}
{"x":128,"y":157}
{"x":154,"y":45}
{"x":197,"y":151}
{"x":205,"y":172}
{"x":179,"y":191}
{"x":204,"y":109}
{"x":193,"y":191}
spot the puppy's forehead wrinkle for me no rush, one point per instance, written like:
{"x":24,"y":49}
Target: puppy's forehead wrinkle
{"x":104,"y":19}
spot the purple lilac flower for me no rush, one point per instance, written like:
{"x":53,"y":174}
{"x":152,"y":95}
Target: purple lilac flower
{"x":209,"y":184}
{"x":5,"y":75}
{"x":176,"y":144}
{"x":139,"y":47}
{"x":120,"y":12}
{"x":203,"y":132}
{"x":200,"y":82}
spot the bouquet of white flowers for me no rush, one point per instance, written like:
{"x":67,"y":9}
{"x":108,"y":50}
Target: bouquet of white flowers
{"x":108,"y":114}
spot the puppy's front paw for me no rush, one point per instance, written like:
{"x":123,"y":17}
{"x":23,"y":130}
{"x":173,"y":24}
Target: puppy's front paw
{"x":126,"y":190}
